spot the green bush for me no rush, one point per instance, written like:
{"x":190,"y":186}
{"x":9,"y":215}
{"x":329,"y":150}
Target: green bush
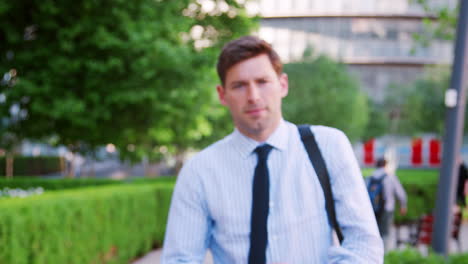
{"x":63,"y":183}
{"x":412,"y":256}
{"x":53,"y":184}
{"x":161,"y":179}
{"x":109,"y":224}
{"x":421,"y":188}
{"x":25,"y":165}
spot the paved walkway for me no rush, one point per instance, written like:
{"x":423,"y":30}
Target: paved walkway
{"x":155,"y":256}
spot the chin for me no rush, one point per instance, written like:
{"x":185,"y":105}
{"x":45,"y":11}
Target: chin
{"x":258,"y":126}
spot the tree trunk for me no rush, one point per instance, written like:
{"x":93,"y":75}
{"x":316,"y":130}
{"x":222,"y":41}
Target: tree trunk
{"x":71,"y":167}
{"x":146,"y":170}
{"x":179,"y":157}
{"x":9,"y":165}
{"x":91,"y":161}
{"x":63,"y":166}
{"x":92,"y":169}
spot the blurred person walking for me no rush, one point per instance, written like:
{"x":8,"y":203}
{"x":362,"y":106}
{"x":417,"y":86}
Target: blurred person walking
{"x":462,"y":184}
{"x":384,"y":189}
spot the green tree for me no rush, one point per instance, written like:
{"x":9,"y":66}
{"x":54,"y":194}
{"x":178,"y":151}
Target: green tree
{"x":419,"y":107}
{"x":414,"y":108}
{"x":395,"y":108}
{"x":8,"y":122}
{"x":322,"y":92}
{"x":378,"y":124}
{"x":442,"y":28}
{"x":134,"y":72}
{"x":425,"y":107}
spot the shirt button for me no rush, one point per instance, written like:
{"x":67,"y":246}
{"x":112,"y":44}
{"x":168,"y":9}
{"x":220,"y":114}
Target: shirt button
{"x":272,"y":204}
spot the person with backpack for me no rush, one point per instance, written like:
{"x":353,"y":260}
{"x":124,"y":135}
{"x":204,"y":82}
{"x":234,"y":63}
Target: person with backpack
{"x":270,"y":191}
{"x":462,"y":184}
{"x":384,"y":189}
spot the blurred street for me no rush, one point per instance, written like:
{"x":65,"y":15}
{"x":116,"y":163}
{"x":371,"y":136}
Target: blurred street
{"x":112,"y":168}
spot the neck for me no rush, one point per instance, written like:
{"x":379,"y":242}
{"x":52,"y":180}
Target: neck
{"x":262,"y":134}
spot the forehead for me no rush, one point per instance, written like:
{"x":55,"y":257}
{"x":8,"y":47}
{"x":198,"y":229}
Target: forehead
{"x":255,"y":67}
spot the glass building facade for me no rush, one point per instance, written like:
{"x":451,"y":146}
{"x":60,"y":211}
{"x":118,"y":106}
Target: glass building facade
{"x":375,"y":38}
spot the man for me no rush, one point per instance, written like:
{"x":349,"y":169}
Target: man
{"x":392,"y":189}
{"x":219,"y":199}
{"x":461,"y":184}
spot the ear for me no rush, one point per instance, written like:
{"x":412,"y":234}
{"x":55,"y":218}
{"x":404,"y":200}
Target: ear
{"x":221,"y":93}
{"x":284,"y":83}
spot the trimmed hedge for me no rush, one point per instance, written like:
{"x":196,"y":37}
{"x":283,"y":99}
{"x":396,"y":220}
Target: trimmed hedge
{"x":126,"y":219}
{"x":421,"y":189}
{"x":65,"y":183}
{"x":53,"y":184}
{"x":107,"y":224}
{"x":40,"y":165}
{"x":420,"y":185}
{"x":412,"y":256}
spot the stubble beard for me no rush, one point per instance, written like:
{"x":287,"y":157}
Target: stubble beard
{"x":255,"y":128}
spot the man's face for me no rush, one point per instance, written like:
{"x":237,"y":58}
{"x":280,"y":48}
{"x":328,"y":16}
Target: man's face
{"x":253,"y":93}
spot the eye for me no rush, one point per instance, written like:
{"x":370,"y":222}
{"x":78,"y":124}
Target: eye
{"x":262,"y":81}
{"x":237,"y":85}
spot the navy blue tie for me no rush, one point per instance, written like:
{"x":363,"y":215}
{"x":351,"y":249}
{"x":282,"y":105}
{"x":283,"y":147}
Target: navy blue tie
{"x":260,"y":200}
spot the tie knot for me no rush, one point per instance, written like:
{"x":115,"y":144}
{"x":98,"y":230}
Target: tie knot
{"x":263,"y":151}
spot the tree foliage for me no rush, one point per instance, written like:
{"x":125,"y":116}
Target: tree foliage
{"x":378,"y":124}
{"x":419,"y":107}
{"x":135,"y":73}
{"x":427,"y":100}
{"x":443,"y":28}
{"x":425,"y":109}
{"x":322,"y":92}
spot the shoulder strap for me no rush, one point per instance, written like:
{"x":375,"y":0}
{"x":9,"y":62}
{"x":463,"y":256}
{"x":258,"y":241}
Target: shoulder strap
{"x":318,"y":163}
{"x":383,"y":178}
{"x":379,"y":180}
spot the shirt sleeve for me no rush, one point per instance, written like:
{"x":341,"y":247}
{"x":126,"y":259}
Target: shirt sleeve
{"x":362,"y":242}
{"x":399,"y":191}
{"x":188,"y":228}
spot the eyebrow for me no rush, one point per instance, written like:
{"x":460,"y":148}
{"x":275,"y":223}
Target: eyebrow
{"x":264,"y":77}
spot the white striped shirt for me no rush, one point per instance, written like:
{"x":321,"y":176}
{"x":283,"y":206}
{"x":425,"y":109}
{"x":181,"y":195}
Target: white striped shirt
{"x":211,"y":204}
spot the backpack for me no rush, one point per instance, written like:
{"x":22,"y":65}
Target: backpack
{"x":376,"y":194}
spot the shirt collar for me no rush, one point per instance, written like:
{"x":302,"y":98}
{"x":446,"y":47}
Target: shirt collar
{"x":245,"y":145}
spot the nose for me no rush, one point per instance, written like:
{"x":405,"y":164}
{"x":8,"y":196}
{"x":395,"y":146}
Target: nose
{"x":253,"y":94}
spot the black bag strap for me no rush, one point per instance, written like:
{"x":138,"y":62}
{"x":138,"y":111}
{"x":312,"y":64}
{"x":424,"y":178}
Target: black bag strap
{"x":318,"y":163}
{"x":379,"y":180}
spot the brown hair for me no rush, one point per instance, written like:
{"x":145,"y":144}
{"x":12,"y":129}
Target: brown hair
{"x":245,"y":48}
{"x":381,"y":163}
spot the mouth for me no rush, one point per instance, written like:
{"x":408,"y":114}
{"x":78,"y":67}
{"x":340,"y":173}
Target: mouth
{"x":255,"y":111}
